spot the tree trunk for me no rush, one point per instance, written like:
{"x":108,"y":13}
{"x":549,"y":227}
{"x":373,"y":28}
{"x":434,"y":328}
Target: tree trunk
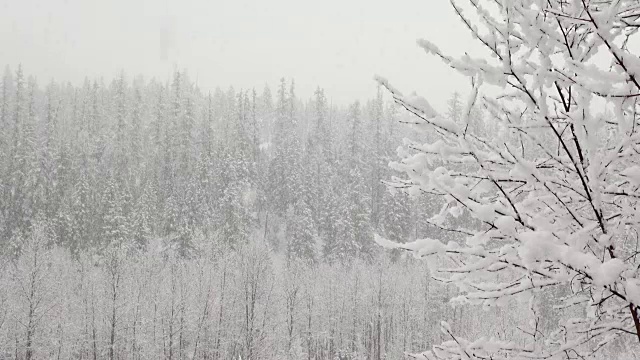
{"x":634,"y":313}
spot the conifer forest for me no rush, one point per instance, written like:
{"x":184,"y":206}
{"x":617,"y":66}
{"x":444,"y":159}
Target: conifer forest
{"x":160,"y":218}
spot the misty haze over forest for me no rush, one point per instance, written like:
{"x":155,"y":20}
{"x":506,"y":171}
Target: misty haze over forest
{"x":154,"y":215}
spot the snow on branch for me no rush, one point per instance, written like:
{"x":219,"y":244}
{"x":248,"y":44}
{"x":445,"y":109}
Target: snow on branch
{"x":551,"y":180}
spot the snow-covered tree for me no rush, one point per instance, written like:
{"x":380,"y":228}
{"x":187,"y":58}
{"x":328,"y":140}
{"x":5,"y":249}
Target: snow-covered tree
{"x":301,"y":237}
{"x":555,"y":195}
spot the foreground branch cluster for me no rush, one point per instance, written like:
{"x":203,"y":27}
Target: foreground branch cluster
{"x":554,"y":186}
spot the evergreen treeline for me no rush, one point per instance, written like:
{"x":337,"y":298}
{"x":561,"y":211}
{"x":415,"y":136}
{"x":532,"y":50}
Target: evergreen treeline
{"x":136,"y":160}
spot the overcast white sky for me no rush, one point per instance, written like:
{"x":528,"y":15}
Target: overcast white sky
{"x":336,"y":44}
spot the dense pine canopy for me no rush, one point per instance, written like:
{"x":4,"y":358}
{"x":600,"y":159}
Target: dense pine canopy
{"x":133,"y":160}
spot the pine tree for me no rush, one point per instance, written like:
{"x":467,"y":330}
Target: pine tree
{"x":137,"y":140}
{"x":121,"y":154}
{"x":115,"y":227}
{"x":301,"y":236}
{"x":377,"y":162}
{"x":354,"y":232}
{"x":283,"y":178}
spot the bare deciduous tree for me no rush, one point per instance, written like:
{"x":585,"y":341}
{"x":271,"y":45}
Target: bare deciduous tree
{"x":555,"y":187}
